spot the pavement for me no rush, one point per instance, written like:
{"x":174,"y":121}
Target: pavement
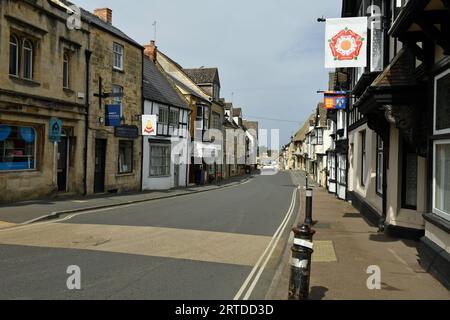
{"x":22,"y":213}
{"x":345,"y":247}
{"x":222,"y":244}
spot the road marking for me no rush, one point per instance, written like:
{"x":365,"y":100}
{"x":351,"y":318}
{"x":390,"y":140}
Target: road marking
{"x":193,"y":245}
{"x":271,"y":247}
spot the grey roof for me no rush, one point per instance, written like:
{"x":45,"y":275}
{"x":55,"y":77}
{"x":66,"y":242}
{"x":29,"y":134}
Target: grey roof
{"x":158,"y":88}
{"x":203,"y":75}
{"x":92,"y":18}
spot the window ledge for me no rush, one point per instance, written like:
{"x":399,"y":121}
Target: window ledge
{"x":68,"y":91}
{"x":129,"y":174}
{"x":118,"y":70}
{"x":437,"y":221}
{"x":23,"y":81}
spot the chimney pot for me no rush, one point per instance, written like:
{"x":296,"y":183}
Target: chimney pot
{"x":105,"y":14}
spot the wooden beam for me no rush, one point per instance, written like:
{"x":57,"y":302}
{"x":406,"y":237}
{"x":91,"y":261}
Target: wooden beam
{"x":435,"y":34}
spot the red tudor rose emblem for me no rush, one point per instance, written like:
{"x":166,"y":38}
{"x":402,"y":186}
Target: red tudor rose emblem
{"x":346,"y":45}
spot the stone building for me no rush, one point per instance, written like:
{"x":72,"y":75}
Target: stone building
{"x":115,"y":105}
{"x":42,"y":76}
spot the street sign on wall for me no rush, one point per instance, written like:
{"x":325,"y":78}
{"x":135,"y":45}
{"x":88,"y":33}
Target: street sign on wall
{"x":112,"y":115}
{"x":55,"y":130}
{"x":346,"y":43}
{"x":149,"y":125}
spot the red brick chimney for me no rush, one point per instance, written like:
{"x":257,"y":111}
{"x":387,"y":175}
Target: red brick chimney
{"x":105,"y":14}
{"x":151,"y":50}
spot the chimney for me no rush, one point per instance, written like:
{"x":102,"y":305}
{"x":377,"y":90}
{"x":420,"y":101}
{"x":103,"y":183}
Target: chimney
{"x":151,"y":50}
{"x":105,"y":14}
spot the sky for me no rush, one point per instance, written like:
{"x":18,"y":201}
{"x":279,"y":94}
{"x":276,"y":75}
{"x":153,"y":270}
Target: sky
{"x":270,"y":53}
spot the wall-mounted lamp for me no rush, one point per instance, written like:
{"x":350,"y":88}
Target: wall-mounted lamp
{"x":101,"y":121}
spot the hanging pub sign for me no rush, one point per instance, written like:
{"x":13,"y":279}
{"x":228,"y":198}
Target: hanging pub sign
{"x":346,"y":43}
{"x":335,"y":100}
{"x":112,"y":115}
{"x":149,"y":125}
{"x":55,"y":130}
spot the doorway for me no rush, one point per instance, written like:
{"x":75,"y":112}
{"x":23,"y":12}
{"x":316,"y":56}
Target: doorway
{"x":63,"y":163}
{"x":100,"y":160}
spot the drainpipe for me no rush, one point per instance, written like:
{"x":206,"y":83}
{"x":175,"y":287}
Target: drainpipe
{"x":142,"y":112}
{"x":381,"y":227}
{"x":88,"y":54}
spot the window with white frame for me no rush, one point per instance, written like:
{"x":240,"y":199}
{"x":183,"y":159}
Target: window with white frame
{"x":159,"y":160}
{"x":380,"y":164}
{"x":320,"y":137}
{"x":66,"y":71}
{"x":117,"y":56}
{"x":332,"y":166}
{"x":441,"y":179}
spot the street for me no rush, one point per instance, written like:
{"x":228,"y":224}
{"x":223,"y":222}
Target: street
{"x":215,"y":245}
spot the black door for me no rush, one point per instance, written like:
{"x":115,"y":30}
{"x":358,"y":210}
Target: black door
{"x":62,"y":164}
{"x":99,"y":174}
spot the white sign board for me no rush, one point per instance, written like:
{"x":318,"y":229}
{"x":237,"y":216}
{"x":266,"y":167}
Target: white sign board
{"x":346,"y":43}
{"x":149,"y":125}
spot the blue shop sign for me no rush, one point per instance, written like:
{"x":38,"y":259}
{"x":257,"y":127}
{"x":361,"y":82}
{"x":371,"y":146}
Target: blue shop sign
{"x":112,"y":115}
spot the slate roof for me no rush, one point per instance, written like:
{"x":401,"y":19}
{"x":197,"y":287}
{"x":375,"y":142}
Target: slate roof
{"x":92,"y":18}
{"x":399,"y":72}
{"x":157,"y":87}
{"x":203,"y":75}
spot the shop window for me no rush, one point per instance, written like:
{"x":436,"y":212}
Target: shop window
{"x":442,"y":179}
{"x":159,"y":160}
{"x":125,"y":156}
{"x":17,"y":148}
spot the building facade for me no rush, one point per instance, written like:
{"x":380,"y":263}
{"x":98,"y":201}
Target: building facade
{"x":42,"y":91}
{"x":114,"y":144}
{"x":166,"y":155}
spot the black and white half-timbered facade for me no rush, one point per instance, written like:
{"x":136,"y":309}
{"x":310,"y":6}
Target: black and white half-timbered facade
{"x":165,"y":155}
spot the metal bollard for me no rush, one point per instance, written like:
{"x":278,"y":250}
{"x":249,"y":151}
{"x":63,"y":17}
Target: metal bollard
{"x":309,"y":204}
{"x":302,"y":251}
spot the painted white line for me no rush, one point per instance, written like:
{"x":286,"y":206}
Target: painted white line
{"x":261,"y":270}
{"x":279,"y":231}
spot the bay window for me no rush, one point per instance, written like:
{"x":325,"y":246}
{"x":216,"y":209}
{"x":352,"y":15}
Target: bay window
{"x":441,"y":146}
{"x":17,"y":148}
